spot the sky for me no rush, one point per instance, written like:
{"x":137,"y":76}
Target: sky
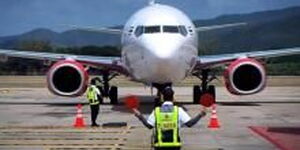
{"x":19,"y":16}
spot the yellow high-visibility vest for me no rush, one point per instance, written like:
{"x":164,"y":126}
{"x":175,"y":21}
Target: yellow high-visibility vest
{"x":92,"y":95}
{"x":167,"y":121}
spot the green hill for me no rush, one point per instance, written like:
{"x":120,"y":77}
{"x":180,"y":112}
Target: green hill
{"x":264,"y":30}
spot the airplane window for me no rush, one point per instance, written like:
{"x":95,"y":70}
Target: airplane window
{"x":139,"y":31}
{"x":131,"y":29}
{"x":182,"y":30}
{"x":190,"y":29}
{"x":171,"y":29}
{"x":152,"y":29}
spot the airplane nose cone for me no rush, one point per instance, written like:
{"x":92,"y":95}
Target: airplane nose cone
{"x":162,"y":46}
{"x":166,"y":59}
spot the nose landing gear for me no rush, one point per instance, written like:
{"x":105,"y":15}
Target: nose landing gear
{"x":204,"y":88}
{"x":160,"y":87}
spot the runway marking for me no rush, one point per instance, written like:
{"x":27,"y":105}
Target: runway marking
{"x":62,"y":138}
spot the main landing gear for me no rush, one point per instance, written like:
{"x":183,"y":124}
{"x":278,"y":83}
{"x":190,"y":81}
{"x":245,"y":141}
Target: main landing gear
{"x":204,"y":88}
{"x":106,"y":90}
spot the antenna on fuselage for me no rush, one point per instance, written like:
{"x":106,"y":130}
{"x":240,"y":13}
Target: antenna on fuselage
{"x":151,"y":2}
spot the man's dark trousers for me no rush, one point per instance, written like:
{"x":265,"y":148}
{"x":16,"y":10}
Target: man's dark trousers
{"x":94,"y":113}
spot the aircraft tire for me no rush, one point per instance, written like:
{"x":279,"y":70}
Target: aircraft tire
{"x":113,"y":95}
{"x":212,"y":91}
{"x":196,"y":94}
{"x":100,"y":88}
{"x":157,"y":102}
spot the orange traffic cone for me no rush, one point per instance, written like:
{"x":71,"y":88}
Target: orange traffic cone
{"x":214,"y":123}
{"x":79,"y":122}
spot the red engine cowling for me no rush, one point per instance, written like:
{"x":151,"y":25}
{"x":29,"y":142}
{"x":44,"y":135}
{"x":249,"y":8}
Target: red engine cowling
{"x":67,"y":78}
{"x":245,"y":76}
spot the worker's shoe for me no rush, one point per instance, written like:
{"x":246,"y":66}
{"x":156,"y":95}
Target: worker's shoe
{"x":94,"y":125}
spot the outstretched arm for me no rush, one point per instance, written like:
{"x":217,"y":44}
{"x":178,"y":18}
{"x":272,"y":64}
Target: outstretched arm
{"x":142,"y":118}
{"x":194,"y":120}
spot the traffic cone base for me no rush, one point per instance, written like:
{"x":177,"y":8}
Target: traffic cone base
{"x":214,"y":123}
{"x":79,"y":123}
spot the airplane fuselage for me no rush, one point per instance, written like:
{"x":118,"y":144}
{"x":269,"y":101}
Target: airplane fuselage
{"x":159,"y":45}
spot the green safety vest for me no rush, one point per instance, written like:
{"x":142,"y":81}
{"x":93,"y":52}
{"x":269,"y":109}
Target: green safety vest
{"x":92,"y":96}
{"x":167,"y":131}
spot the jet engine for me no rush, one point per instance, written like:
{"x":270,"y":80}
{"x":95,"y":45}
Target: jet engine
{"x":245,"y":76}
{"x":67,"y":78}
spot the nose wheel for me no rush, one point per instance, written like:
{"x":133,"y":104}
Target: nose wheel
{"x":197,"y":92}
{"x":160,"y":87}
{"x":113,"y":95}
{"x":106,"y":90}
{"x":204,"y":88}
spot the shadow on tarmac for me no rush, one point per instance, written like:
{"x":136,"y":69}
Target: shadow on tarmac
{"x":238,"y":104}
{"x":59,"y":114}
{"x":146,"y":105}
{"x":285,"y":130}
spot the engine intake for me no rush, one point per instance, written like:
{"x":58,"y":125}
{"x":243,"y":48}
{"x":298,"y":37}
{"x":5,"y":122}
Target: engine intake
{"x":245,"y":76}
{"x":67,"y":78}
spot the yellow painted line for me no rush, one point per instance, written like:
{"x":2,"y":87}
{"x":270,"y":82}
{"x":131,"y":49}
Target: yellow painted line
{"x":57,"y":132}
{"x":99,"y":147}
{"x":54,"y":143}
{"x":64,"y":137}
{"x":55,"y":139}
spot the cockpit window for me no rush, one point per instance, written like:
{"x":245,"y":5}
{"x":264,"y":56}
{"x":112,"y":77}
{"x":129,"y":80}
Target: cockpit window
{"x":170,"y":29}
{"x":139,"y":31}
{"x":175,"y":29}
{"x":183,"y":30}
{"x":151,"y":29}
{"x":157,"y":29}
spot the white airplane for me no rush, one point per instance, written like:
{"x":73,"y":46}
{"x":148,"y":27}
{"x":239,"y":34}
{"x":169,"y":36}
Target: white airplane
{"x":159,"y":47}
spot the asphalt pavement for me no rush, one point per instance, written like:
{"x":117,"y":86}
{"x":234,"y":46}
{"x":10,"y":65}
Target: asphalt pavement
{"x":33,"y":118}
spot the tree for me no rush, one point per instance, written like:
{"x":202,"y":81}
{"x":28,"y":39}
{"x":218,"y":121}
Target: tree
{"x":35,"y":46}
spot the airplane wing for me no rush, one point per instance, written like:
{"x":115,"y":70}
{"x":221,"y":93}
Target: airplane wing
{"x":215,"y":27}
{"x":100,"y":30}
{"x":211,"y":61}
{"x":111,"y":63}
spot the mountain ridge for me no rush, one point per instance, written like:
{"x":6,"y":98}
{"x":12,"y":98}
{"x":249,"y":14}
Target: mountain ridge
{"x":264,"y":30}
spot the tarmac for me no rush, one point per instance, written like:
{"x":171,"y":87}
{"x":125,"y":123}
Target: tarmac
{"x":33,"y":118}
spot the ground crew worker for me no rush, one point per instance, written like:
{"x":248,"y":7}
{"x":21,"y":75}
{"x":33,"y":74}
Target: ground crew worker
{"x":166,"y":121}
{"x":93,"y":95}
